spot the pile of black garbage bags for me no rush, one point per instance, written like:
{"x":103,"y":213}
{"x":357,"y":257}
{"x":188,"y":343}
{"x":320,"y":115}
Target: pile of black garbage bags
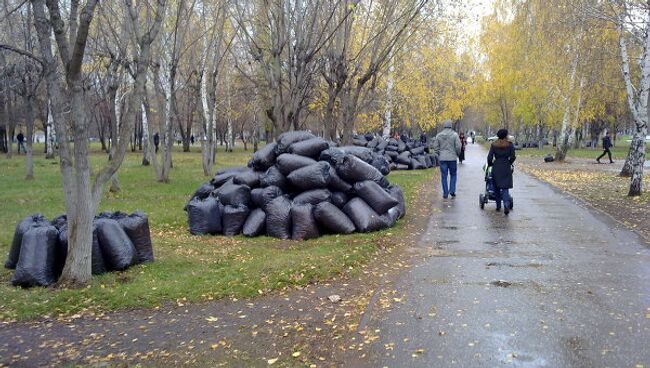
{"x":400,"y":154}
{"x":298,"y":187}
{"x":39,"y":248}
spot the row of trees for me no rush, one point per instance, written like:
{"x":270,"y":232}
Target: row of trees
{"x":569,"y":68}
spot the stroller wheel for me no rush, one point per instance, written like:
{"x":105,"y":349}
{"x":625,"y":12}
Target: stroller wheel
{"x":481,"y":201}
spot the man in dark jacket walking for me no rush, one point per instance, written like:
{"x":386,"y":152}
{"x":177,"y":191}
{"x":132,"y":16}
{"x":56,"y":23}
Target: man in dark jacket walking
{"x":607,"y":144}
{"x":501,"y":157}
{"x":21,"y":142}
{"x":156,"y":141}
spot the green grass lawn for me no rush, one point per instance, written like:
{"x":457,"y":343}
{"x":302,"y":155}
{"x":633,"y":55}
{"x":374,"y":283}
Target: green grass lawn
{"x":187,"y":268}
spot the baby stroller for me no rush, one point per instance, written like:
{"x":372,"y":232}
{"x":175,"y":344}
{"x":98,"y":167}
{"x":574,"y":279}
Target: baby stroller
{"x":490,"y":190}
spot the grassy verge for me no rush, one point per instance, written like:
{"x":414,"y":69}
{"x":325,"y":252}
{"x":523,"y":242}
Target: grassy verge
{"x":187,"y":268}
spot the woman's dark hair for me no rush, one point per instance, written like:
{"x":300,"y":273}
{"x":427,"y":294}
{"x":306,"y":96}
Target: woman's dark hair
{"x":502,"y":133}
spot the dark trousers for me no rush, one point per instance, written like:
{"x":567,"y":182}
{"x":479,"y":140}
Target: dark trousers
{"x":21,"y":144}
{"x":503,"y":195}
{"x":605,"y":151}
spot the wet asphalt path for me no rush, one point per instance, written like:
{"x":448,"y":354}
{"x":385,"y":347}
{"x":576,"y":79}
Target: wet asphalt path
{"x":553,"y":285}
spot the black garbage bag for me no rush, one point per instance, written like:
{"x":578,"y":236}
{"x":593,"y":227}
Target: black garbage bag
{"x":333,"y":219}
{"x":360,"y":142}
{"x":391,"y":217}
{"x":369,"y":136}
{"x":391,"y":148}
{"x":288,"y":138}
{"x":422,"y":160}
{"x":204,"y":191}
{"x":311,"y":177}
{"x":310,"y":148}
{"x":204,"y":216}
{"x":381,"y":145}
{"x":288,"y":162}
{"x":428,"y":161}
{"x":363,"y":153}
{"x":37,"y":262}
{"x":255,"y":223}
{"x":392,"y":154}
{"x":136,"y":226}
{"x":549,"y":158}
{"x":248,"y":177}
{"x":278,"y":218}
{"x":233,"y":219}
{"x":338,"y":184}
{"x":380,"y":163}
{"x":401,"y":146}
{"x":262,"y":196}
{"x":222,"y":176}
{"x":339,"y":199}
{"x":21,"y":228}
{"x":364,"y":217}
{"x":117,"y":249}
{"x":352,"y":169}
{"x":402,"y":167}
{"x":374,"y":195}
{"x":264,"y":157}
{"x":404,"y":158}
{"x":374,"y":143}
{"x":416,"y":165}
{"x":98,"y":266}
{"x":332,"y":155}
{"x":417,"y":151}
{"x":59,"y":221}
{"x":397,"y":193}
{"x":314,"y":197}
{"x":234,"y":194}
{"x":273,"y":177}
{"x":304,"y":224}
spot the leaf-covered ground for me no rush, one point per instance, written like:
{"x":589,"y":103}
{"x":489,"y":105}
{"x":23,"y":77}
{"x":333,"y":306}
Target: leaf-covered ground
{"x":598,"y":185}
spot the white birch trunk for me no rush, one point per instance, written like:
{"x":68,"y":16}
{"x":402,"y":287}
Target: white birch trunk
{"x":51,"y":134}
{"x":389,"y":100}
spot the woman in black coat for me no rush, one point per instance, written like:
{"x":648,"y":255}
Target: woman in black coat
{"x":501,"y":157}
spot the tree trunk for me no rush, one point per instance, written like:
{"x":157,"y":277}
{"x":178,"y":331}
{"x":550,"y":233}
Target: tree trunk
{"x":50,"y":134}
{"x":637,"y":160}
{"x":29,"y":120}
{"x":389,"y":101}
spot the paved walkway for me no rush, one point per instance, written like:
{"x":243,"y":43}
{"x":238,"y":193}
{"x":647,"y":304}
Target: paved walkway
{"x":552,"y":285}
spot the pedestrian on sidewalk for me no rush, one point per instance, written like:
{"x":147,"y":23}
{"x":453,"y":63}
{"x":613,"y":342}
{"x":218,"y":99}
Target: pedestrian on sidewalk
{"x":21,"y":142}
{"x":463,"y":143}
{"x":447,"y":147}
{"x":607,"y":144}
{"x":501,"y":157}
{"x":156,"y":141}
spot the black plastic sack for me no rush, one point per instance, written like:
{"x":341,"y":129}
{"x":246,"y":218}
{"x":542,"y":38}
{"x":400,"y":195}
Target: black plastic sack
{"x":333,"y":219}
{"x":262,"y":196}
{"x":59,"y":221}
{"x":338,"y":184}
{"x":374,"y":143}
{"x":339,"y":199}
{"x":98,"y":266}
{"x":428,"y":161}
{"x":391,"y":148}
{"x":278,"y":218}
{"x":117,"y":249}
{"x":360,"y":142}
{"x":397,"y":193}
{"x":381,"y":145}
{"x":204,"y":216}
{"x":255,"y":223}
{"x":273,"y":177}
{"x":314,"y":197}
{"x":401,"y":146}
{"x":363,"y":153}
{"x":310,"y":148}
{"x":391,"y":217}
{"x":233,"y":219}
{"x":374,"y":195}
{"x":402,"y":167}
{"x":352,"y":169}
{"x":416,"y":165}
{"x":304,"y":224}
{"x":369,"y":136}
{"x":222,"y":176}
{"x":204,"y":191}
{"x":380,"y":163}
{"x":422,"y":160}
{"x":234,"y":194}
{"x":288,"y":138}
{"x":36,"y":264}
{"x":136,"y":226}
{"x":311,"y":177}
{"x":364,"y":217}
{"x":392,"y":154}
{"x":417,"y":151}
{"x":404,"y":158}
{"x":332,"y":155}
{"x":288,"y":162}
{"x":264,"y":157}
{"x":21,"y":228}
{"x":248,"y":177}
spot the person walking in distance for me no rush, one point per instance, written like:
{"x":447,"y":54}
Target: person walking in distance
{"x":21,"y":142}
{"x":156,"y":141}
{"x":607,"y":144}
{"x":447,"y":147}
{"x":463,"y":143}
{"x":500,"y":158}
